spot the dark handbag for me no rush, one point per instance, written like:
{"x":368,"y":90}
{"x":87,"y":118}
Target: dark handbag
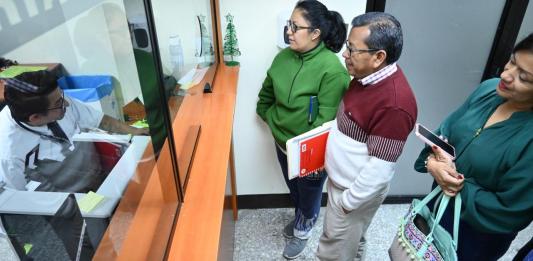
{"x":420,"y":237}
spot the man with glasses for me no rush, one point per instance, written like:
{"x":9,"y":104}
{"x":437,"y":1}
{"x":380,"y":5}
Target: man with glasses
{"x":374,"y":118}
{"x":36,"y":130}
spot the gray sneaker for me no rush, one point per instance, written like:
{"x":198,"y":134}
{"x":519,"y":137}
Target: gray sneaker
{"x":294,"y":248}
{"x":288,"y":230}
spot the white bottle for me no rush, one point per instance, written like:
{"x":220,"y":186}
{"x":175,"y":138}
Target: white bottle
{"x":176,"y":55}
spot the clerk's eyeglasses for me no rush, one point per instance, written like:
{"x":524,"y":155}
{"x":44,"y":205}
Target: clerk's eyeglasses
{"x":293,"y":27}
{"x":62,"y":104}
{"x":352,"y":50}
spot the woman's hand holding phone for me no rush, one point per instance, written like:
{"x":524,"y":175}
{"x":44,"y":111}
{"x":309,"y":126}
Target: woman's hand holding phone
{"x":442,"y":168}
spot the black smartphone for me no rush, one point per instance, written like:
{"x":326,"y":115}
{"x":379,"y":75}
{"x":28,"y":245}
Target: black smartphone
{"x":433,"y":140}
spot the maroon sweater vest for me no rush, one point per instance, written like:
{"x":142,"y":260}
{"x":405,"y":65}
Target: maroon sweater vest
{"x":381,"y":115}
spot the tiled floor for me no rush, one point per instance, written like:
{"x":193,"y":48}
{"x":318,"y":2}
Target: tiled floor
{"x":258,"y":234}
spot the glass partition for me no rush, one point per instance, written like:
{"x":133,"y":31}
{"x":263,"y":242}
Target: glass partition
{"x":187,"y":48}
{"x":107,"y":60}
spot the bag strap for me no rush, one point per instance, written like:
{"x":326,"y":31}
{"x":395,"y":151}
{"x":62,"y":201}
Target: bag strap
{"x":456,"y":216}
{"x":444,"y":200}
{"x":436,"y":204}
{"x":425,"y":200}
{"x":440,"y":212}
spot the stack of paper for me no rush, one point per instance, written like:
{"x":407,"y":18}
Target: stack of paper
{"x":192,"y":78}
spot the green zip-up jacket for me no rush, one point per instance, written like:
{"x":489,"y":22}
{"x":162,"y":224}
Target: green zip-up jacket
{"x":497,"y":162}
{"x":290,"y":82}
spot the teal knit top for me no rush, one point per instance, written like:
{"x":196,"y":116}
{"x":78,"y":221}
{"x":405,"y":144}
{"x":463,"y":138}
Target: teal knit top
{"x":497,"y":162}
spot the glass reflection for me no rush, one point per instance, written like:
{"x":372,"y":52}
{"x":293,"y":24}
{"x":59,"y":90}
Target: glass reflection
{"x":187,"y":53}
{"x":107,"y":171}
{"x":184,"y":33}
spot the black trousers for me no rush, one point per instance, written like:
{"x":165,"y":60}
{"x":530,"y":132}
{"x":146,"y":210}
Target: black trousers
{"x":305,"y":194}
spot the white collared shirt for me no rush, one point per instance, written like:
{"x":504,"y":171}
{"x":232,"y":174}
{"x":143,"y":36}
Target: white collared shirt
{"x":379,"y":75}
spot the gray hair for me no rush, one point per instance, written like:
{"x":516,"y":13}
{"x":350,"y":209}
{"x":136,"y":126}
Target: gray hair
{"x":385,"y":33}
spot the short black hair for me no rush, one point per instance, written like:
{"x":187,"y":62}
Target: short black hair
{"x":385,"y":33}
{"x":23,"y":104}
{"x":525,"y":44}
{"x":331,"y":24}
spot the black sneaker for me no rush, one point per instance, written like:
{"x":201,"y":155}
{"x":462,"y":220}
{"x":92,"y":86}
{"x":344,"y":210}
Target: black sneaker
{"x":294,"y":248}
{"x":288,"y":230}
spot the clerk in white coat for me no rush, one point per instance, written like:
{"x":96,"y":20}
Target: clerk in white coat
{"x":36,"y":130}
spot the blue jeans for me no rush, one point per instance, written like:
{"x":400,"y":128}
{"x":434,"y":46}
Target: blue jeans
{"x":306,"y":195}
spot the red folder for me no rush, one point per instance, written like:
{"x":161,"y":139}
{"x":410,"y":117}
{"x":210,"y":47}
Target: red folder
{"x":306,"y":152}
{"x":312,"y":153}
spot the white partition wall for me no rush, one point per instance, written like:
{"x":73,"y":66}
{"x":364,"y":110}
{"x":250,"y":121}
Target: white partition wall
{"x":446,"y":47}
{"x":527,"y":24}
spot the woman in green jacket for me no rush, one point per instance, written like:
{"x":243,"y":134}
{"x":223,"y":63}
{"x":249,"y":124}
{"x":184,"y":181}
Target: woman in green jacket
{"x":493,"y":137}
{"x":306,"y":72}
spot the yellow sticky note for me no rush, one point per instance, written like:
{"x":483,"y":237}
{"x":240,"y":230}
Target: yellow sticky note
{"x":27,"y":248}
{"x":90,"y":201}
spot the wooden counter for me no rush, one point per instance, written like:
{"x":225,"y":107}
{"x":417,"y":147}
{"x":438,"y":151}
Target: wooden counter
{"x":197,"y":235}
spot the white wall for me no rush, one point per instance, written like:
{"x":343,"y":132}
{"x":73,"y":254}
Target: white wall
{"x":527,"y":24}
{"x":257,"y":168}
{"x":446,"y":47}
{"x":94,"y":40}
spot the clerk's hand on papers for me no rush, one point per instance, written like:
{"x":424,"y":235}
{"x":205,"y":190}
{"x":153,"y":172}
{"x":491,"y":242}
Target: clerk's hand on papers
{"x":140,"y":131}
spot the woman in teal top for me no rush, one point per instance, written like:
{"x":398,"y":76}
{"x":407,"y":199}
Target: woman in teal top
{"x":307,"y":72}
{"x":492,"y":133}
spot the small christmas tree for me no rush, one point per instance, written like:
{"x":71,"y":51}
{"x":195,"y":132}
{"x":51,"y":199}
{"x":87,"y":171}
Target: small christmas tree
{"x":231,"y":45}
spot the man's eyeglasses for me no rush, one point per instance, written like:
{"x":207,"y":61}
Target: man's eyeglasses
{"x":62,"y":106}
{"x":352,"y":50}
{"x":291,"y":25}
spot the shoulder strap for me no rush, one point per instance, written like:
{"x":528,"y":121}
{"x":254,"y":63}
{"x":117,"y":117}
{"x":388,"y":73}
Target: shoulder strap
{"x":426,"y":200}
{"x":456,"y":216}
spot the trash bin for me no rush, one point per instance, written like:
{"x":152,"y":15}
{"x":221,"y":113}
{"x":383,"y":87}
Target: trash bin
{"x":93,"y":90}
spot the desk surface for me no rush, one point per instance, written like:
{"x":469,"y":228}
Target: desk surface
{"x":197,"y":232}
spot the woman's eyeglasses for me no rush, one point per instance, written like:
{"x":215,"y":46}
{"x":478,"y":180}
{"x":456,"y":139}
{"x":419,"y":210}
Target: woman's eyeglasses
{"x":355,"y":50}
{"x":291,"y":25}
